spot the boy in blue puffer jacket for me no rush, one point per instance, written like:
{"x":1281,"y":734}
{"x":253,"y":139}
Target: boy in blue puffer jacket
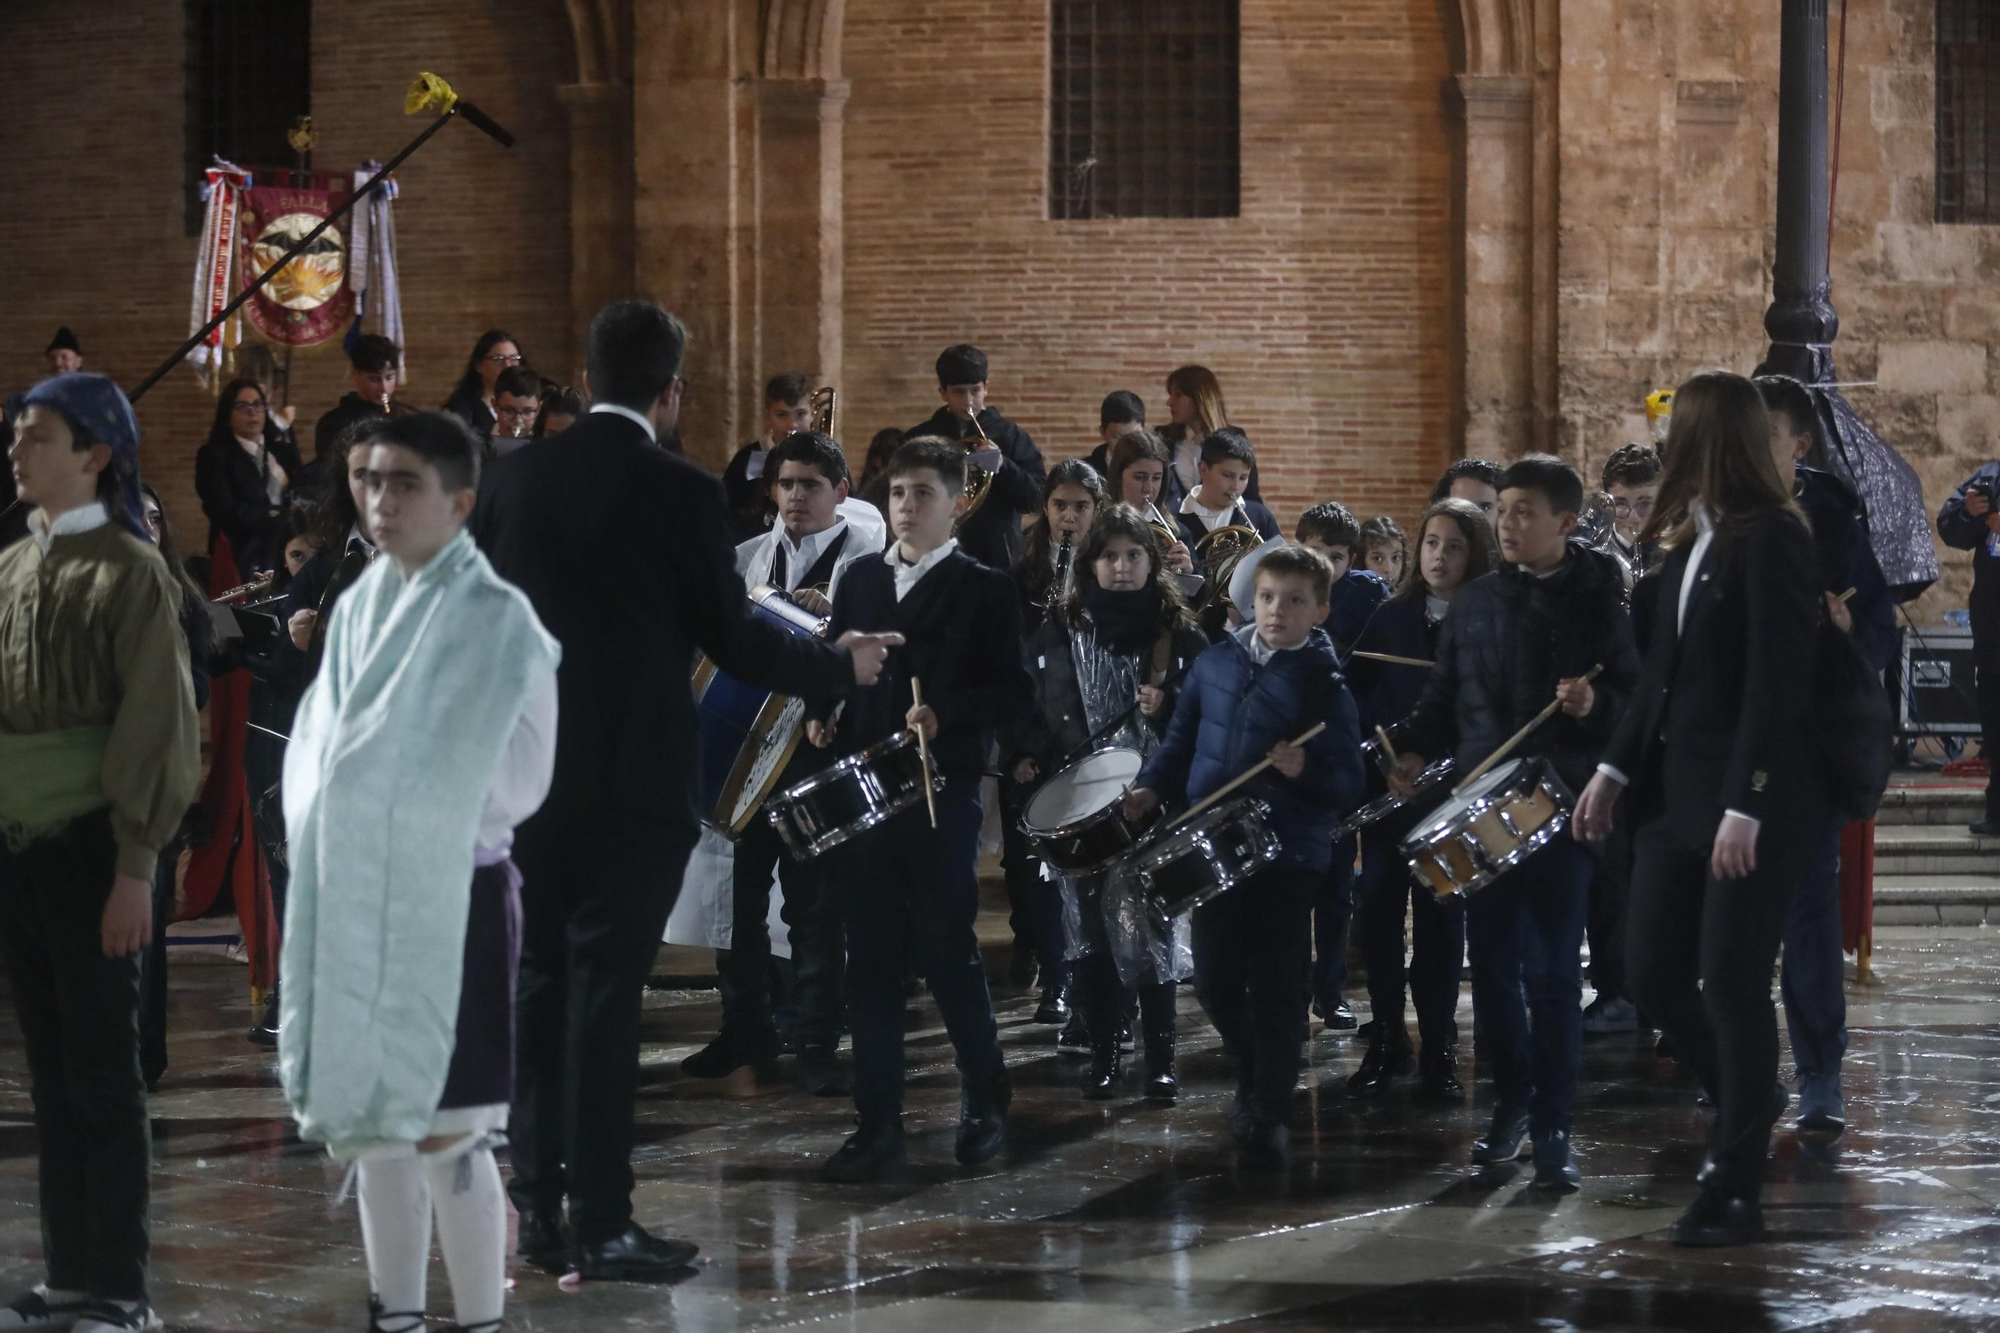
{"x":1270,"y":680}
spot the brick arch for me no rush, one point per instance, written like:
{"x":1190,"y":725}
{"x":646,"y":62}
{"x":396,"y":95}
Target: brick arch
{"x":801,"y":38}
{"x":1489,"y":36}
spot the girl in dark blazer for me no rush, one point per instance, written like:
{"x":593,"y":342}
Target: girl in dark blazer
{"x":1121,"y":636}
{"x":1725,"y":795}
{"x":244,"y":475}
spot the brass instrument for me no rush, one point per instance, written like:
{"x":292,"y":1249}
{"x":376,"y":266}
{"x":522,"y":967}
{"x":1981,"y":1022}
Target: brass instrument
{"x":978,"y":481}
{"x":1219,"y":549}
{"x":262,"y":583}
{"x":823,"y":404}
{"x":1190,"y":583}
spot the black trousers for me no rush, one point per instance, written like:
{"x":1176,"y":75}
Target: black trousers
{"x":1701,"y":952}
{"x":1333,"y":916}
{"x":594,"y":905}
{"x":1437,"y":943}
{"x":79,"y":1015}
{"x":1251,"y":955}
{"x":1605,"y":926}
{"x":744,"y":968}
{"x":1034,"y":904}
{"x":1986,"y":673}
{"x":909,"y":895}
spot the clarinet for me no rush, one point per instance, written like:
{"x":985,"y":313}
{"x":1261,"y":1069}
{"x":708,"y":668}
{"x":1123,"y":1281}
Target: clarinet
{"x":1059,"y":587}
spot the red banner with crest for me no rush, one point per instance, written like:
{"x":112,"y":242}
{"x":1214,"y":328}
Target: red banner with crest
{"x":311,"y":300}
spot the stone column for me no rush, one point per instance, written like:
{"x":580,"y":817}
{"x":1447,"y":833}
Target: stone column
{"x":799,"y":251}
{"x":1497,"y":406}
{"x":600,"y":203}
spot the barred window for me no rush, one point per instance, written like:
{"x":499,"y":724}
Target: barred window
{"x":249,"y":77}
{"x":1968,"y":111}
{"x":1143,"y":109}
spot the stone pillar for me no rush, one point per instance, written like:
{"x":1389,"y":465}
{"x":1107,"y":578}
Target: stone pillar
{"x":1497,"y":405}
{"x":600,"y":204}
{"x":1801,"y":320}
{"x":799,"y":251}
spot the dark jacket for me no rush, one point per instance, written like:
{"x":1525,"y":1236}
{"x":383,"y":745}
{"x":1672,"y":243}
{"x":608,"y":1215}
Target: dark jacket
{"x":1192,"y":530}
{"x":1170,"y":435}
{"x":622,"y":549}
{"x":350,"y":409}
{"x":470,"y":407}
{"x":1057,"y":724}
{"x":1962,"y":532}
{"x":1509,"y":638}
{"x":1232,"y":711}
{"x":1720,"y":720}
{"x":1355,"y":598}
{"x":234,"y":497}
{"x":1386,"y":691}
{"x":750,"y":507}
{"x":961,"y":640}
{"x":1847,"y":560}
{"x":993,"y":535}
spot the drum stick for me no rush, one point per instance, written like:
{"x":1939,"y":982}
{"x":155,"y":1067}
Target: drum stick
{"x":1513,"y":741}
{"x":1387,"y":748}
{"x":1394,"y":660}
{"x":1239,"y":779}
{"x":924,"y":751}
{"x":1849,"y":593}
{"x":267,"y":731}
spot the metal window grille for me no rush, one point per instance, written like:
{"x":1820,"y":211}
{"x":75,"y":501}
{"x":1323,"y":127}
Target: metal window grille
{"x":249,"y":77}
{"x":1143,"y":109}
{"x":1968,"y":111}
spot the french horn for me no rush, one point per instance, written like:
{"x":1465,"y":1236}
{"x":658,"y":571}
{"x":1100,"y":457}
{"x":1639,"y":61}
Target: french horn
{"x":823,"y":404}
{"x":1217,"y":552}
{"x":978,"y":481}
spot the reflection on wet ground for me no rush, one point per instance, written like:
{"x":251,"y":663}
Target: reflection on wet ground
{"x":1120,"y":1216}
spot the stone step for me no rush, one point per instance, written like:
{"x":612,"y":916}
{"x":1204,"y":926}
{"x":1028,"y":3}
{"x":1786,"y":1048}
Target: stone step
{"x":1937,"y":900}
{"x":1935,"y":802}
{"x":1934,"y":849}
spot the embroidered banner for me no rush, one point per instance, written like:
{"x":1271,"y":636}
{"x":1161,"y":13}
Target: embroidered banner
{"x":310,"y":300}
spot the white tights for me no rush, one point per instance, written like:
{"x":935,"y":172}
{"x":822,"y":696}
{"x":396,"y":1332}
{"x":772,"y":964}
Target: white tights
{"x":398,"y":1194}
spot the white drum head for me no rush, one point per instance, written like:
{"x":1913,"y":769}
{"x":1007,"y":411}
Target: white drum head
{"x":1084,"y":788}
{"x":1497,"y":777}
{"x":1451,"y":814}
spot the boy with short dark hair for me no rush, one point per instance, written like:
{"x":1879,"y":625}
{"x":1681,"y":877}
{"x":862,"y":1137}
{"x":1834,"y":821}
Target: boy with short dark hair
{"x":432,"y":725}
{"x":746,"y":481}
{"x":1631,"y":477}
{"x":1330,"y":529}
{"x":1475,"y":480}
{"x":1515,"y":640}
{"x":1122,"y":410}
{"x":1217,"y":501}
{"x":993,"y":534}
{"x":1246,"y":699}
{"x":517,"y":401}
{"x":376,"y":363}
{"x":909,"y":892}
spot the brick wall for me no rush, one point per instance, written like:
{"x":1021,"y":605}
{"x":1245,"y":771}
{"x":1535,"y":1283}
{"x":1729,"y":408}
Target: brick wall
{"x":93,"y":232}
{"x":1322,"y":308}
{"x":1669,"y":153}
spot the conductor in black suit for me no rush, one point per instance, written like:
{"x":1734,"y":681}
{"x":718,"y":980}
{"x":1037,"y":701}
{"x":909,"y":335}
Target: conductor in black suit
{"x":622,"y":548}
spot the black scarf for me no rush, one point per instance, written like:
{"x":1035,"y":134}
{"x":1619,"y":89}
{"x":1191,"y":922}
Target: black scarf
{"x":1127,"y":622}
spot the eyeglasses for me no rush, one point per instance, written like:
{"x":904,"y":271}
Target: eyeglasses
{"x":502,"y":359}
{"x":517,"y":412}
{"x":247,"y":405}
{"x":1631,"y":508}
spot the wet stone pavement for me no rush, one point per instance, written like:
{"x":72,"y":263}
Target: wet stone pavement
{"x":1118,"y":1216}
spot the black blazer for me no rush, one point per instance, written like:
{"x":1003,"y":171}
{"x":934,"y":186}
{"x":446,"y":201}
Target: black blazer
{"x":1720,"y":720}
{"x":622,"y":549}
{"x":235,"y":500}
{"x":963,"y":641}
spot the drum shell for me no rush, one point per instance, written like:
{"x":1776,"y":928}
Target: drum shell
{"x":1430,"y":791}
{"x":1088,"y":843}
{"x":1463,"y":849}
{"x":1185,"y":867}
{"x":849,"y":797}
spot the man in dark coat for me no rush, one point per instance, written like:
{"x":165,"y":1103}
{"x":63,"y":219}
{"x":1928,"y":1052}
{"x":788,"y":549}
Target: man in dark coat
{"x":993,"y":534}
{"x":603,"y":859}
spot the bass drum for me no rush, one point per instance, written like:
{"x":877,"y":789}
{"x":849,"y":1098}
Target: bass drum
{"x":748,"y":733}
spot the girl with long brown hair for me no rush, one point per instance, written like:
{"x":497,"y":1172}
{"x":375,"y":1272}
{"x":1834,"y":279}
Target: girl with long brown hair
{"x":1726,"y":812}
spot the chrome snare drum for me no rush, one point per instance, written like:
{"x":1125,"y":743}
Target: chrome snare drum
{"x":1430,"y":784}
{"x":850,"y":796}
{"x":1207,"y":856}
{"x":1489,"y":828}
{"x":1076,"y":820}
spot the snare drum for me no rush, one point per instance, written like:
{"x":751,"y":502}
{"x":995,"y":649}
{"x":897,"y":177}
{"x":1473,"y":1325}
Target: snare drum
{"x":1207,"y":856}
{"x":748,"y":733}
{"x":1428,"y":784}
{"x":1076,"y":820}
{"x":1488,"y":829}
{"x":850,"y":796}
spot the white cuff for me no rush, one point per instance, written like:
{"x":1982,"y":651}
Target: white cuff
{"x":1751,"y":820}
{"x":1612,"y":773}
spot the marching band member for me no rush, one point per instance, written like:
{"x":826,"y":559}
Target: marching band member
{"x":746,"y":482}
{"x":1455,"y":546}
{"x":517,"y":404}
{"x":820,"y":535}
{"x":1137,"y":477}
{"x":1121,"y":411}
{"x":374,"y":361}
{"x":1218,"y":498}
{"x":1119,"y":634}
{"x":909,"y":892}
{"x":993,"y":535}
{"x":1514,"y":640}
{"x":1473,"y":479}
{"x":1268,"y":681}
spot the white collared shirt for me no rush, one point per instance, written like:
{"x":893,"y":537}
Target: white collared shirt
{"x":1253,"y":643}
{"x":354,"y":535}
{"x":800,"y":556}
{"x":909,"y":575}
{"x":1210,"y":518}
{"x":83,"y":518}
{"x":274,"y":491}
{"x":620,"y":410}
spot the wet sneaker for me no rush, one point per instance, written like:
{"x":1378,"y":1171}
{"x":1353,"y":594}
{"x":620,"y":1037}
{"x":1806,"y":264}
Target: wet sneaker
{"x":1821,"y":1111}
{"x":42,"y":1307}
{"x":119,"y":1317}
{"x":1605,"y":1016}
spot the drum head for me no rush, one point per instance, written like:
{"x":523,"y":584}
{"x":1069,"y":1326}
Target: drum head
{"x":1087,"y":786}
{"x":1496,"y":778}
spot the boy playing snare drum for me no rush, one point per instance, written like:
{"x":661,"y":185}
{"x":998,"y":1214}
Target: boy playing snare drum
{"x":1247,"y":698}
{"x":1515,"y":640}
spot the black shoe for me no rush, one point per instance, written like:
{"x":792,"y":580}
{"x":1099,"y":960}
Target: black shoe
{"x":872,"y":1152}
{"x":1100,"y":1082}
{"x":730,"y":1051}
{"x":1437,"y":1077}
{"x":266,"y":1031}
{"x":1988,"y":827}
{"x":1242,"y":1121}
{"x":819,"y":1067}
{"x":1161,"y":1083}
{"x":1074,"y":1039}
{"x":1339,"y":1018}
{"x":1269,"y":1146}
{"x":1024,"y":965}
{"x":1555,"y":1170}
{"x":1718,"y":1219}
{"x":1126,"y":1045}
{"x":633,"y":1256}
{"x":1385,"y":1061}
{"x":982,"y":1121}
{"x":1505,"y":1141}
{"x":1710,"y":1174}
{"x":1054,"y":1009}
{"x":543,"y":1240}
